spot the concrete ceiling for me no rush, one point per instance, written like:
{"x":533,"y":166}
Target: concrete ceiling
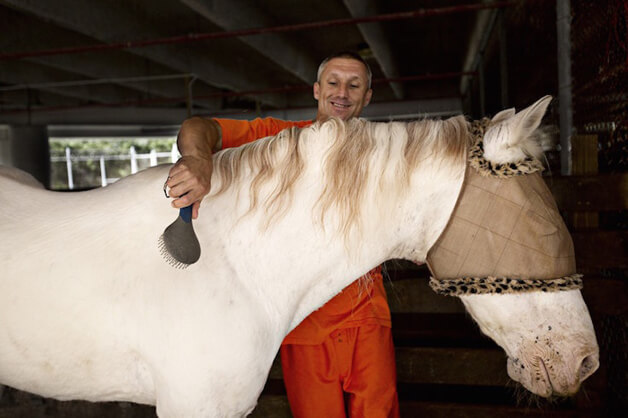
{"x":158,"y":61}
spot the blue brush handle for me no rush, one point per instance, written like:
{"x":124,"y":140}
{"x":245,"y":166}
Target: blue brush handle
{"x":186,"y":214}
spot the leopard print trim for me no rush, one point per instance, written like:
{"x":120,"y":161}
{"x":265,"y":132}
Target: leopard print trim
{"x":483,"y":285}
{"x":487,"y":168}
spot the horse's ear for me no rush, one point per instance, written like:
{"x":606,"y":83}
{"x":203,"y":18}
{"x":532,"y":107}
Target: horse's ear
{"x":503,"y":115}
{"x":530,"y":118}
{"x":512,"y":139}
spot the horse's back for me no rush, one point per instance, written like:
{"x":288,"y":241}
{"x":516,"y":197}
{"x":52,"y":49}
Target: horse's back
{"x":43,"y":228}
{"x":72,"y":265}
{"x":21,"y":195}
{"x":19,"y":176}
{"x":89,"y":309}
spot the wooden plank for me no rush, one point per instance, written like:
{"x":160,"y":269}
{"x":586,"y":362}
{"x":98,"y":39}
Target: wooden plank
{"x":598,"y":249}
{"x":584,"y":154}
{"x":438,"y":330}
{"x":601,"y":192}
{"x":415,"y":295}
{"x":78,"y":409}
{"x":277,"y":406}
{"x":454,"y":410}
{"x":605,"y":296}
{"x":584,"y":162}
{"x":453,"y":366}
{"x":272,"y":406}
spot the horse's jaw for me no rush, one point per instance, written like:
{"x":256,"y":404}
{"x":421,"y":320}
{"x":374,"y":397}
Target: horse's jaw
{"x":548,"y":337}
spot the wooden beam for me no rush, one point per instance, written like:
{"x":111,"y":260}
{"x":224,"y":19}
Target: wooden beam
{"x":600,"y":192}
{"x":584,"y":162}
{"x":597,"y":249}
{"x":452,"y":366}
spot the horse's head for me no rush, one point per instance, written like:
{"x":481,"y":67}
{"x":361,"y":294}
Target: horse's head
{"x":507,"y":254}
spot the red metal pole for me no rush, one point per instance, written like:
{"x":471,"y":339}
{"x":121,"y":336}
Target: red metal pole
{"x":286,"y":89}
{"x":192,"y":37}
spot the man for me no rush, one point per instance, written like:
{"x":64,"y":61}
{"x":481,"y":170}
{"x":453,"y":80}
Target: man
{"x":344,"y":350}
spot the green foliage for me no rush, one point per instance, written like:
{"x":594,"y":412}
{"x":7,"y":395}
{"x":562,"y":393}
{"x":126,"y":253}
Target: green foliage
{"x":86,"y":153}
{"x":108,"y":146}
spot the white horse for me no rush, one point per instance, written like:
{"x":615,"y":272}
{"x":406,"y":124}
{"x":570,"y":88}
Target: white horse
{"x":90,"y":310}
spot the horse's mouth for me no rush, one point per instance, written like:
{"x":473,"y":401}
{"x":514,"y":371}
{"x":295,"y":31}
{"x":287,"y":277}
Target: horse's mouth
{"x":535,"y":378}
{"x":545,"y":376}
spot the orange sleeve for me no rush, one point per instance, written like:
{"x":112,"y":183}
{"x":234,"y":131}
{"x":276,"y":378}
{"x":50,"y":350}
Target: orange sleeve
{"x":238,"y":132}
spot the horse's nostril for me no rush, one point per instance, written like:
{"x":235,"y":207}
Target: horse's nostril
{"x":589,"y":365}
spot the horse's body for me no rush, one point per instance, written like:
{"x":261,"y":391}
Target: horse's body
{"x":90,"y":310}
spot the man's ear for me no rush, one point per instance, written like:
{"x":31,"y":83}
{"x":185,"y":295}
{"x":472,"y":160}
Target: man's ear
{"x":317,"y":90}
{"x":369,"y":94}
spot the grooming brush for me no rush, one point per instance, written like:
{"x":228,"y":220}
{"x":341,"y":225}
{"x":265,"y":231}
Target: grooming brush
{"x":178,"y":244}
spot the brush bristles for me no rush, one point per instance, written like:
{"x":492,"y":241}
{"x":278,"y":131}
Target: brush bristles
{"x":167,"y":256}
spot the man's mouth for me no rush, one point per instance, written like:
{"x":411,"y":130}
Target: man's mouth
{"x":340,"y":105}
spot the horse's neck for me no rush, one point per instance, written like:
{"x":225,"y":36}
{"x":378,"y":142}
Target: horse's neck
{"x":296,"y":264}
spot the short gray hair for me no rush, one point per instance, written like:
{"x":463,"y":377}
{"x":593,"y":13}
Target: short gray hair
{"x":345,"y":54}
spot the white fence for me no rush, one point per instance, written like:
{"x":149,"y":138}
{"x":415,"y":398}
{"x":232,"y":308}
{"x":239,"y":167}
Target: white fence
{"x":132,"y":156}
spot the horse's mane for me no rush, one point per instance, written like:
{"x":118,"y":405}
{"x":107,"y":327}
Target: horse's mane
{"x":358,"y":153}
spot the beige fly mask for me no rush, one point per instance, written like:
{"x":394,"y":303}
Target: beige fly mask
{"x":505,"y":234}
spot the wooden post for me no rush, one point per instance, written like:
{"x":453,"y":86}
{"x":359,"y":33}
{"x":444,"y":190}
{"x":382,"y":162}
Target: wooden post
{"x":153,"y":158}
{"x":189,"y":98}
{"x":584,"y":160}
{"x":68,"y":162}
{"x":503,"y":60}
{"x":133,"y":160}
{"x":565,"y":107}
{"x":482,"y":86}
{"x":174,"y":153}
{"x":103,"y":172}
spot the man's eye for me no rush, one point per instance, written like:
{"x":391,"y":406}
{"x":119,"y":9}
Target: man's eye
{"x":333,"y":83}
{"x":354,"y":86}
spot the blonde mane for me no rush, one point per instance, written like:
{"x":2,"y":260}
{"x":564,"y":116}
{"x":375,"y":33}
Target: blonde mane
{"x":357,"y":154}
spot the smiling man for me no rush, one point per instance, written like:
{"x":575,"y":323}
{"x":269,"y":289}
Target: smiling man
{"x":343,"y":87}
{"x":341,"y":358}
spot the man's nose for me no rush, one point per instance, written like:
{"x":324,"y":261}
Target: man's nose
{"x":343,"y":90}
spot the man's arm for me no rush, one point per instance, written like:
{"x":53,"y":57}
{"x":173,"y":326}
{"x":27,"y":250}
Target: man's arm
{"x":189,"y":179}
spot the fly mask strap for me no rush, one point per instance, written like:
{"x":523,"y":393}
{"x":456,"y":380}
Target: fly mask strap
{"x":482,"y":285}
{"x":505,"y":234}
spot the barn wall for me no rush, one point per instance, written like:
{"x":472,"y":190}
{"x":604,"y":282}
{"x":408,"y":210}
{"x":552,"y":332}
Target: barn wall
{"x":5,"y":146}
{"x":26,"y":147}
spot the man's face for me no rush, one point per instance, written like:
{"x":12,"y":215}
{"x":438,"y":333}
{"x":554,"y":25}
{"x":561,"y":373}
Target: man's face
{"x":342,"y":90}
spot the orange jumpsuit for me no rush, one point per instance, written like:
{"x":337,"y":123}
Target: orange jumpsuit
{"x":342,"y":351}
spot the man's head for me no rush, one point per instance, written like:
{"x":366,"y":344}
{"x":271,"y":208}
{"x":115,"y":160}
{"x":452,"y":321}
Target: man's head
{"x":343,"y":86}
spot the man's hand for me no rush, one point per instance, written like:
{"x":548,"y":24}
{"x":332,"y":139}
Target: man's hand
{"x":189,"y":179}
